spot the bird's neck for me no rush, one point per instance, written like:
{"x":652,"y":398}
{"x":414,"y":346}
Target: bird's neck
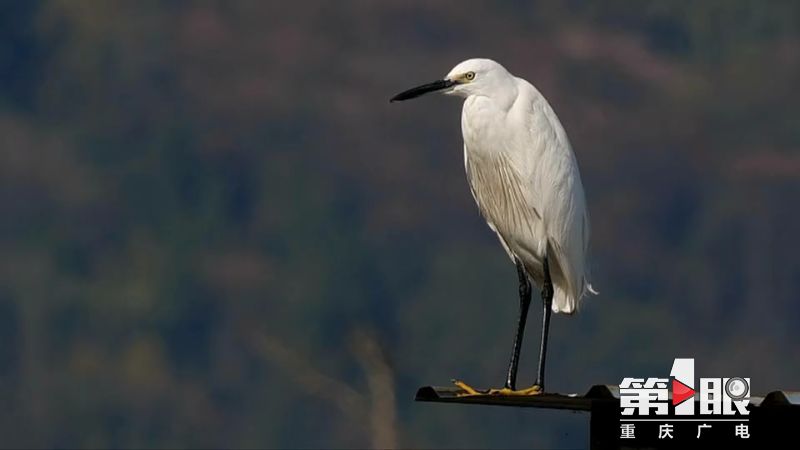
{"x":502,"y":99}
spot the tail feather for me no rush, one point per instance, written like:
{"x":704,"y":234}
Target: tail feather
{"x":563,"y":302}
{"x":567,"y":303}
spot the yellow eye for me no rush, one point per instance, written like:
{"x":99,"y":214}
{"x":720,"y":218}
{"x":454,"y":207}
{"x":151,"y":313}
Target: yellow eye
{"x":470,"y":76}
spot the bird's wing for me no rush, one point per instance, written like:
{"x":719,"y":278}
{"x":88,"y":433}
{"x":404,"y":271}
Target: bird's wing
{"x":482,"y":206}
{"x":557,"y":191}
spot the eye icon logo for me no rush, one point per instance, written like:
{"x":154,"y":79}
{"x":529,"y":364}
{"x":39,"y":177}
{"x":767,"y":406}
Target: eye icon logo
{"x":737,"y":388}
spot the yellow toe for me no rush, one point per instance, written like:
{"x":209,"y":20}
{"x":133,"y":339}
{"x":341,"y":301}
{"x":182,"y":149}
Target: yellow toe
{"x":469,"y":390}
{"x":533,"y":390}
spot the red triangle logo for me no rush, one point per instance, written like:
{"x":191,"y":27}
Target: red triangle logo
{"x":680,"y":392}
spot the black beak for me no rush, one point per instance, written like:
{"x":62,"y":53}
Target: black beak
{"x":422,"y":90}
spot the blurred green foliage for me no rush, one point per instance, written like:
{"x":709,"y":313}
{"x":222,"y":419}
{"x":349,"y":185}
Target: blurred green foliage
{"x":216,"y":232}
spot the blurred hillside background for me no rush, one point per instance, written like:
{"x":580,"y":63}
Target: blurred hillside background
{"x":217,"y":232}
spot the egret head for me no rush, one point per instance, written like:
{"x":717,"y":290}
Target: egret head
{"x":471,"y":77}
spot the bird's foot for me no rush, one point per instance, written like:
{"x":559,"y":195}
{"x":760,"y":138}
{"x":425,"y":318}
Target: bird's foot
{"x":469,"y":390}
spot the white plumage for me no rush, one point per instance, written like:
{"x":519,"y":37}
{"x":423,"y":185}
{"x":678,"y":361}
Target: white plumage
{"x":524,"y":177}
{"x":525,"y":180}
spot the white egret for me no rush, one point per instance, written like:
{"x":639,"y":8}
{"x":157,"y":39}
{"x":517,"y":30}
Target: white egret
{"x":524,"y":177}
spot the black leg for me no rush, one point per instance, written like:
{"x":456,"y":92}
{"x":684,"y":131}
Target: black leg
{"x":524,"y":303}
{"x":547,"y":301}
